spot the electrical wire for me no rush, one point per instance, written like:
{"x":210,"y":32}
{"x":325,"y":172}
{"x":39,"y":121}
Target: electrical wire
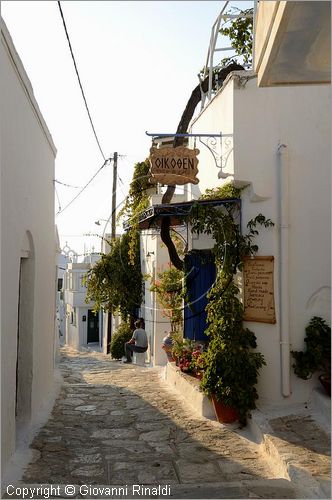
{"x":67,"y":185}
{"x":79,"y":80}
{"x":83,"y":188}
{"x":121,"y":189}
{"x":57,"y":195}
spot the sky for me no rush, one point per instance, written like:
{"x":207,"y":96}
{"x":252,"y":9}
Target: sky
{"x":138,"y":63}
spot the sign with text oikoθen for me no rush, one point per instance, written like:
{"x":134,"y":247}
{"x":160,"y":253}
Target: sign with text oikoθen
{"x":173,"y":166}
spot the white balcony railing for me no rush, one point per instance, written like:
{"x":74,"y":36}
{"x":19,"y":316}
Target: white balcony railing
{"x":223,"y":18}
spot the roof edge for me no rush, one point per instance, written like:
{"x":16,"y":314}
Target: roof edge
{"x":239,"y":73}
{"x":16,"y":61}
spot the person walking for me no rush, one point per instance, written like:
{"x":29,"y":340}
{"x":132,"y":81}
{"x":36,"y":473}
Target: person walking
{"x":138,"y":342}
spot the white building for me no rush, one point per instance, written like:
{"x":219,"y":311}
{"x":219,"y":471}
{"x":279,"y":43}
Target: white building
{"x":277,"y":145}
{"x":28,"y":269}
{"x":83,"y":327}
{"x":62,"y":262}
{"x":154,"y":260}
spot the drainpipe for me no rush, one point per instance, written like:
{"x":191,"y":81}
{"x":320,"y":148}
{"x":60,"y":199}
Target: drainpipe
{"x":283,"y":224}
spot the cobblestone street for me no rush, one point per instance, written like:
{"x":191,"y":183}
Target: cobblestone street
{"x":116,"y":424}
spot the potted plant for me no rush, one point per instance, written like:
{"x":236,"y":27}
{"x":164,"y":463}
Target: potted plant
{"x":169,"y":290}
{"x":177,"y":346}
{"x":185,"y":351}
{"x":199,"y":363}
{"x":317,"y":356}
{"x":167,"y":346}
{"x":185,"y":358}
{"x":231,"y":371}
{"x":232,"y":366}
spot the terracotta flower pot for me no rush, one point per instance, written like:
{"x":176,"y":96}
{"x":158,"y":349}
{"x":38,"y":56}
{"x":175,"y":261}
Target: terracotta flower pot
{"x":224,"y":414}
{"x":169,"y":356}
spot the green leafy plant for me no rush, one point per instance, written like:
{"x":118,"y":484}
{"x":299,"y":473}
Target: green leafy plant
{"x":231,"y":364}
{"x":170,"y":293}
{"x":199,"y":361}
{"x":135,"y":203}
{"x":317,"y":355}
{"x":114,"y":282}
{"x":183,"y":350}
{"x":185,"y":360}
{"x":240,"y":34}
{"x":120,"y":336}
{"x":177,"y":345}
{"x":223,"y":192}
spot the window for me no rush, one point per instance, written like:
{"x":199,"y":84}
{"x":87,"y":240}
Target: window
{"x":73,"y":317}
{"x":81,"y":281}
{"x":60,"y":284}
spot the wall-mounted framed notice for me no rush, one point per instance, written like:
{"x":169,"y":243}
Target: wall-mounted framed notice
{"x":258,"y":287}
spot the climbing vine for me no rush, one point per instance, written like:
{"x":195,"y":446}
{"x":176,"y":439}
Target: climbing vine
{"x":231,"y":364}
{"x":240,"y":34}
{"x":135,"y":203}
{"x":227,"y":190}
{"x":115,"y":281}
{"x":170,"y":294}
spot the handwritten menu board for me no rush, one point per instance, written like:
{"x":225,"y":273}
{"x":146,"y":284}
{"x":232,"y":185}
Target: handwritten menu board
{"x":258,"y":289}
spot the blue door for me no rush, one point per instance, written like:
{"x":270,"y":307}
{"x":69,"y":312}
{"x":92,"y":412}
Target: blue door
{"x":200,"y":272}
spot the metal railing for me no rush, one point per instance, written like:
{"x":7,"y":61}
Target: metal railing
{"x":209,"y":67}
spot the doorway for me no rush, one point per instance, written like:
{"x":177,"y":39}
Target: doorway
{"x":24,"y":354}
{"x":93,"y":327}
{"x":200,"y":276}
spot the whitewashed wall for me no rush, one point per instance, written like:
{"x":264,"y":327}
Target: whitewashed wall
{"x":157,"y":325}
{"x":27,"y":241}
{"x":62,"y":261}
{"x":261,"y":119}
{"x":76,"y":306}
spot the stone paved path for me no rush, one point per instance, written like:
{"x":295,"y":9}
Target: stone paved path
{"x":116,"y":424}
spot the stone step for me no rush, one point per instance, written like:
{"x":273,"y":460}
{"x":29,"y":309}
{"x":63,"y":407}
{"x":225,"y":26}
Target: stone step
{"x":306,"y":466}
{"x":297,"y":448}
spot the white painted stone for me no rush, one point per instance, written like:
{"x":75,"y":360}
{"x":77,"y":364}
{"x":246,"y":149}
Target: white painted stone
{"x":139,"y":358}
{"x":190,"y":391}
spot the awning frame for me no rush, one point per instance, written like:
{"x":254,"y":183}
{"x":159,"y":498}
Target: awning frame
{"x":178,"y":212}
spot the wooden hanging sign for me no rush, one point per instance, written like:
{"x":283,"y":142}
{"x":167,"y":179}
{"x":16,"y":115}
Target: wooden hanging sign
{"x":173,"y":166}
{"x":258,"y":289}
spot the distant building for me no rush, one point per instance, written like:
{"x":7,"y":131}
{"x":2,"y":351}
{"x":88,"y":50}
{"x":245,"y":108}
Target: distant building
{"x":60,"y":305}
{"x":82,"y":326}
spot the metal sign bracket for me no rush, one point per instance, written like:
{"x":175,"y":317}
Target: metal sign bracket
{"x":213,"y":142}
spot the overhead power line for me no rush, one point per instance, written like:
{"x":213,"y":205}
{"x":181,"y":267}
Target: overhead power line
{"x":79,"y":81}
{"x":83,"y":188}
{"x":57,"y":195}
{"x":67,"y":185}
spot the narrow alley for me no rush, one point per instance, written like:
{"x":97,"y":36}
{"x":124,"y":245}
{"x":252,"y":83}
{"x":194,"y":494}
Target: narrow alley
{"x":119,"y":425}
